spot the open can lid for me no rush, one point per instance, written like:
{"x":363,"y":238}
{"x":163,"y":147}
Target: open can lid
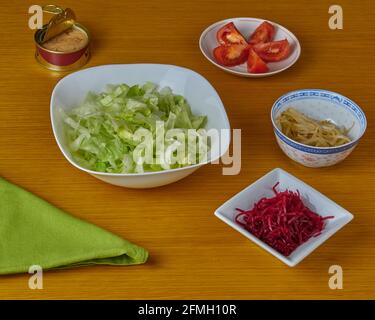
{"x":62,"y":20}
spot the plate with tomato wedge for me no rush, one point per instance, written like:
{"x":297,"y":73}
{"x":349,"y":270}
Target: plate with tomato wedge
{"x":250,"y":47}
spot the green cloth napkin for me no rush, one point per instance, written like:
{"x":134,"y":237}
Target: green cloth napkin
{"x":33,"y":232}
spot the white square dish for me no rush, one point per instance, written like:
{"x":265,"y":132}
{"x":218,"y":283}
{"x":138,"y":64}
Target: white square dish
{"x":200,"y":94}
{"x":312,"y":198}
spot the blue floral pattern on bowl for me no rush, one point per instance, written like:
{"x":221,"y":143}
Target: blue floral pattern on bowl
{"x":334,"y":106}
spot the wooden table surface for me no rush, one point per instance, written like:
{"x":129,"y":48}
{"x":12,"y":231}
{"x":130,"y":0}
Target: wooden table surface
{"x":192,"y":253}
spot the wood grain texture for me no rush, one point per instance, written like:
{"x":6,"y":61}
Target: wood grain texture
{"x":193,"y":254}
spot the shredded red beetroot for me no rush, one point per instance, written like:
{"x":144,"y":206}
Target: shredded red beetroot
{"x":283,"y":222}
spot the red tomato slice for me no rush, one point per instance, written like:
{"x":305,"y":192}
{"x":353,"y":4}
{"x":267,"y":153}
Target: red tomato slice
{"x":231,"y":55}
{"x":264,"y":33}
{"x":230,"y":35}
{"x":255,"y":64}
{"x":273,"y":51}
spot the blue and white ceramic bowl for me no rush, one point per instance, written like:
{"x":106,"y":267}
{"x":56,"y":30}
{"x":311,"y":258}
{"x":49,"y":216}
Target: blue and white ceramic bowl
{"x":320,"y":105}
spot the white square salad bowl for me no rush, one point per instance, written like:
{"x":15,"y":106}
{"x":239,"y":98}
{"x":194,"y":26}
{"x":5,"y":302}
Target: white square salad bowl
{"x":202,"y":97}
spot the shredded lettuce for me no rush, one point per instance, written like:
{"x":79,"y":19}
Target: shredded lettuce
{"x":104,"y":132}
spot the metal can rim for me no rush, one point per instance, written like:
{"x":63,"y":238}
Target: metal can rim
{"x":76,"y":25}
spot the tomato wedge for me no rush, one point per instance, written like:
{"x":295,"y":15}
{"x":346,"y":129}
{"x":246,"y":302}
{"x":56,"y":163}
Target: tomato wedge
{"x":273,"y":51}
{"x":255,"y":64}
{"x":231,"y":55}
{"x":264,"y":33}
{"x":230,"y":35}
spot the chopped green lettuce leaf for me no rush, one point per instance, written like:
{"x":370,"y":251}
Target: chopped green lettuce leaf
{"x":101,"y":132}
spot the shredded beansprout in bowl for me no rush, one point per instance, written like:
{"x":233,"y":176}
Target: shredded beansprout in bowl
{"x":303,"y":129}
